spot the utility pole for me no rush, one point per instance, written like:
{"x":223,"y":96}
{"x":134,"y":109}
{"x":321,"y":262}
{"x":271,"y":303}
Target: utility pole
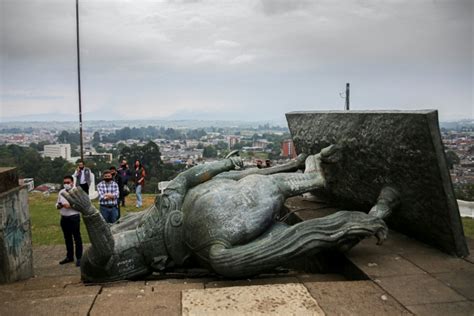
{"x":347,"y":96}
{"x":79,"y":79}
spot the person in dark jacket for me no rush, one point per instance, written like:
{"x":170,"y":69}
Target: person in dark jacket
{"x":125,"y":174}
{"x":117,"y":179}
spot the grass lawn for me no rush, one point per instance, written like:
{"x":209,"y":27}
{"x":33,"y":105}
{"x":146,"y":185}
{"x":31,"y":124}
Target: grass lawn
{"x":468,"y":224}
{"x":47,"y":231}
{"x":45,"y":218}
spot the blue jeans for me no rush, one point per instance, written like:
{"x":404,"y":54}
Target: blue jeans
{"x":138,"y":191}
{"x":110,"y":214}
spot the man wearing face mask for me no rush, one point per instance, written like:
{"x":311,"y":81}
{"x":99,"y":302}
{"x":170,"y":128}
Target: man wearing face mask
{"x":70,"y":224}
{"x":108,"y":197}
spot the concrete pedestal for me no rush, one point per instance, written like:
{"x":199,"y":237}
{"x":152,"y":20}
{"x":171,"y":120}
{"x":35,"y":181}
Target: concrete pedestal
{"x":16,"y":256}
{"x":402,"y":149}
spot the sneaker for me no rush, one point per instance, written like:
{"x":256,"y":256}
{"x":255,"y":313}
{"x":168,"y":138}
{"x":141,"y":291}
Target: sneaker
{"x":66,"y":260}
{"x":78,"y":263}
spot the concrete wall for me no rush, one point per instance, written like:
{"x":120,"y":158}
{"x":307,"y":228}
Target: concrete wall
{"x":16,"y":256}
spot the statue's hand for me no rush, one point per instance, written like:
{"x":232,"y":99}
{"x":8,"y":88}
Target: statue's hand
{"x":237,"y":162}
{"x":79,"y":200}
{"x":331,"y":154}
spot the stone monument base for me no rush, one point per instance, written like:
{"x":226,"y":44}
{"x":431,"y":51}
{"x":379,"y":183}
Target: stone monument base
{"x":16,"y":256}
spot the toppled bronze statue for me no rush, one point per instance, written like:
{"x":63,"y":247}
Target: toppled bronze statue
{"x":225,"y":221}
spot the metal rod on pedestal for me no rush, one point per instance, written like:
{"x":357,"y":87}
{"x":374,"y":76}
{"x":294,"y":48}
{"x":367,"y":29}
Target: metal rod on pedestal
{"x":347,"y":96}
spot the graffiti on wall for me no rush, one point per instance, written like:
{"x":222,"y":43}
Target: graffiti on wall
{"x":14,"y":231}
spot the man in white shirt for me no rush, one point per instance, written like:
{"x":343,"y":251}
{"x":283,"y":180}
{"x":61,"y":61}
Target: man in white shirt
{"x":70,"y":224}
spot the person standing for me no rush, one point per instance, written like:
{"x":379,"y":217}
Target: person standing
{"x":83,"y":176}
{"x":108,"y":197}
{"x":124,"y":173}
{"x":70,"y":224}
{"x":139,"y":177}
{"x":117,"y":179}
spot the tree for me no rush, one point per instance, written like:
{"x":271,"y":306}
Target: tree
{"x":97,"y":165}
{"x":96,"y":139}
{"x":31,"y":165}
{"x":63,"y":137}
{"x":465,"y":192}
{"x":209,"y":152}
{"x":150,"y":157}
{"x":237,"y":146}
{"x":75,"y":152}
{"x":452,"y":159}
{"x":68,"y":138}
{"x":45,"y":172}
{"x":221,"y":145}
{"x":196,"y":134}
{"x":124,"y":133}
{"x":39,"y":146}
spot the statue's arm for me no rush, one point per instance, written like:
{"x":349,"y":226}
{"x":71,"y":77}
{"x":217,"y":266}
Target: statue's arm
{"x":202,"y":173}
{"x":290,"y":166}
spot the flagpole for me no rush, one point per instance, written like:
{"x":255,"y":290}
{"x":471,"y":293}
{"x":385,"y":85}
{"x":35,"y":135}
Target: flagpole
{"x":79,"y":79}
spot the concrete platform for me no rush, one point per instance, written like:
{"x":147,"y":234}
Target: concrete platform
{"x":276,"y":299}
{"x":402,"y":276}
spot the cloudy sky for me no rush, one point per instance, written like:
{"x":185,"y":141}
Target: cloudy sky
{"x":242,"y":59}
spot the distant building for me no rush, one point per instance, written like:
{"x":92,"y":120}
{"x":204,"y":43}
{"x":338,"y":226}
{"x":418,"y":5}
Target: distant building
{"x":288,"y":149}
{"x":181,"y":155}
{"x":191,"y":143}
{"x":232,"y":140}
{"x":57,"y":151}
{"x":252,"y":149}
{"x":263,"y":143}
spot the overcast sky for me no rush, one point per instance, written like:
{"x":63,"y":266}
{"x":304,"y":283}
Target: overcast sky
{"x":242,"y":59}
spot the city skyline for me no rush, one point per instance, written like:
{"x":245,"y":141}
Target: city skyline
{"x":245,"y":60}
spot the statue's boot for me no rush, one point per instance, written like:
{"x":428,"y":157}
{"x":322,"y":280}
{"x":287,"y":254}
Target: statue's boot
{"x":282,"y":243}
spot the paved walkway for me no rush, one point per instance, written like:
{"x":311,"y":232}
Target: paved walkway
{"x":402,"y":276}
